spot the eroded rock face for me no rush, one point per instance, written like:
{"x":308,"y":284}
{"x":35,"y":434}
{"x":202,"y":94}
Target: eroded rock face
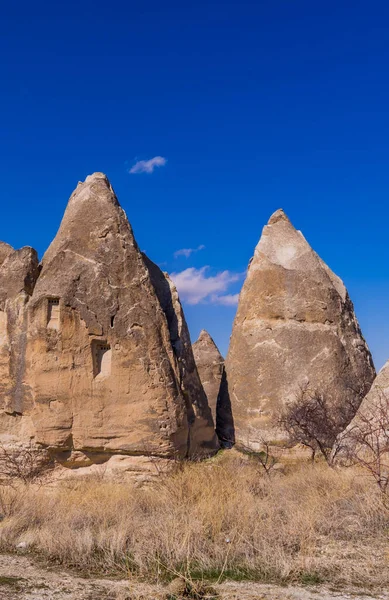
{"x":100,"y":371}
{"x":295,"y":328}
{"x":210,"y":365}
{"x":19,"y":271}
{"x":201,"y":419}
{"x":5,"y":250}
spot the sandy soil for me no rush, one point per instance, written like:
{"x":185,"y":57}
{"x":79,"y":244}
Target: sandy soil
{"x":21,"y":578}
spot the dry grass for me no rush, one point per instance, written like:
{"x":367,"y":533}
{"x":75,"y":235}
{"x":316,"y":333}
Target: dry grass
{"x":222,"y":518}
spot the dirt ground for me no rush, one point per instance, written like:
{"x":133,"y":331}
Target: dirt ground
{"x":21,"y":578}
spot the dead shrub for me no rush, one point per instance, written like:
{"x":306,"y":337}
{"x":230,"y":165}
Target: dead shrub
{"x":312,"y":421}
{"x":23,"y":464}
{"x":366,"y":441}
{"x":20,"y":467}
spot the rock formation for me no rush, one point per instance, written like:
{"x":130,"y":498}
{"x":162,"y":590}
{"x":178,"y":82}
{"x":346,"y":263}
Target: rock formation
{"x":200,"y":414}
{"x":104,"y":364}
{"x":295,"y":329}
{"x":19,"y":271}
{"x":210,"y":365}
{"x":5,"y":250}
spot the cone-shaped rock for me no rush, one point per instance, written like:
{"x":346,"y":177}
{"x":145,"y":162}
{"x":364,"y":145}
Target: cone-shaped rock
{"x":101,"y":374}
{"x":295,"y":328}
{"x":210,"y":365}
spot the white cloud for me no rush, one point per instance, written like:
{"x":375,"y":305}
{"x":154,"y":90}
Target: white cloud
{"x":226,"y":300}
{"x":194,"y":286}
{"x":148,"y":166}
{"x":188,"y":251}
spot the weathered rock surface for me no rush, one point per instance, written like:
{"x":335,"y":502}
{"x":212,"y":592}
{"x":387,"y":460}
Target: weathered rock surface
{"x":5,"y":250}
{"x":19,"y":271}
{"x":295,"y":328}
{"x":200,"y":416}
{"x":99,"y":371}
{"x":210,"y":365}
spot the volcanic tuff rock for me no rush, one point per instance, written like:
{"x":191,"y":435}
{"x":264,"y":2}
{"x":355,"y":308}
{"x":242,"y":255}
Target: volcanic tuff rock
{"x":105,"y":365}
{"x":198,"y":409}
{"x":19,"y":271}
{"x":295,"y":328}
{"x":210,"y":365}
{"x":5,"y":250}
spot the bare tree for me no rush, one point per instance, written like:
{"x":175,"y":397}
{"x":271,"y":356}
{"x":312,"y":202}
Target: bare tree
{"x":311,"y":421}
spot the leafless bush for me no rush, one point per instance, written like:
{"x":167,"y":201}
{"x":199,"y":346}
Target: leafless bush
{"x":267,"y":458}
{"x":25,"y":464}
{"x":366,"y":440}
{"x":311,"y":421}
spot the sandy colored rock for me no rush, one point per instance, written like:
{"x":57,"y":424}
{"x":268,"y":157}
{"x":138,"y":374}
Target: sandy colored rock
{"x":210,"y":365}
{"x":138,"y":469}
{"x":201,"y":418}
{"x":295,"y":328}
{"x":5,"y":250}
{"x":19,"y":271}
{"x":99,"y":370}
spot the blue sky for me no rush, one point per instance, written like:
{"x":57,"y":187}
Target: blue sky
{"x":251,"y":106}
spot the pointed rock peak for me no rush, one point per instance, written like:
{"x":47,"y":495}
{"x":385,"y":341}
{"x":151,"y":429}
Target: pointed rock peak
{"x":277,"y":216}
{"x":206,"y":342}
{"x":96,"y":176}
{"x":280,"y":234}
{"x":205,"y":337}
{"x":97,"y":185}
{"x":282,"y":243}
{"x":93,"y":218}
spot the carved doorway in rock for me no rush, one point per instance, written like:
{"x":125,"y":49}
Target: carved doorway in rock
{"x":102,"y":357}
{"x":53,"y":313}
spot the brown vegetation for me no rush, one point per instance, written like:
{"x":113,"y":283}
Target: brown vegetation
{"x":23,"y":464}
{"x":312,"y":421}
{"x":211,"y":520}
{"x":366,"y":441}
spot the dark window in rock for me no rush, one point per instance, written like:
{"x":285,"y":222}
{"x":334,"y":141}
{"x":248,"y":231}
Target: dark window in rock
{"x":53,"y":313}
{"x":102,"y":356}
